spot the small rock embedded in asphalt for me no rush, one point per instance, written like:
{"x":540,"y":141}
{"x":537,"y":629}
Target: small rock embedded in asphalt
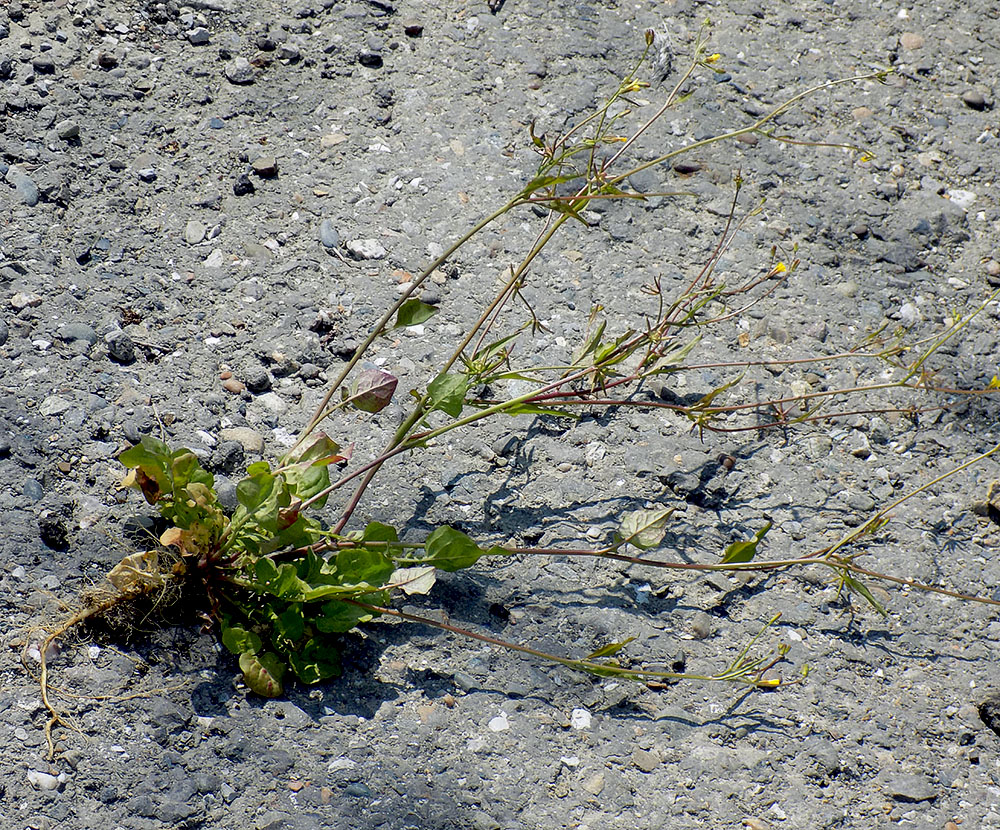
{"x":911,"y":41}
{"x":239,"y":71}
{"x":121,"y":349}
{"x":52,"y":531}
{"x":198,"y":36}
{"x":26,"y":189}
{"x":912,"y":789}
{"x":22,"y":300}
{"x":366,"y":249}
{"x":194,"y":232}
{"x":68,"y":130}
{"x":989,"y":711}
{"x":645,"y":760}
{"x":243,"y":186}
{"x":266,"y":167}
{"x":257,"y":380}
{"x":43,"y":65}
{"x":370,"y":58}
{"x":328,"y":234}
{"x":974,"y":100}
{"x":413,"y":28}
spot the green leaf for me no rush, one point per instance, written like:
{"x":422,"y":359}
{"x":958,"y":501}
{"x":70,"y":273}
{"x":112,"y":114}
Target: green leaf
{"x":414,"y":580}
{"x":363,"y":567}
{"x":305,"y":469}
{"x":315,"y":661}
{"x":290,"y":623}
{"x":413,"y":313}
{"x":745,"y":551}
{"x":263,"y":673}
{"x":447,"y":393}
{"x":675,"y":356}
{"x":257,"y":468}
{"x":609,"y":649}
{"x":855,"y":584}
{"x":340,"y":617}
{"x":450,"y":549}
{"x":279,"y":580}
{"x":645,"y":528}
{"x":239,"y":640}
{"x":378,"y":532}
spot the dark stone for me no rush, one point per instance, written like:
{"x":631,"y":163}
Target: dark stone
{"x":52,"y":531}
{"x":229,"y":457}
{"x":121,"y":349}
{"x":989,"y":711}
{"x":243,"y":186}
{"x":257,"y":380}
{"x":370,"y":58}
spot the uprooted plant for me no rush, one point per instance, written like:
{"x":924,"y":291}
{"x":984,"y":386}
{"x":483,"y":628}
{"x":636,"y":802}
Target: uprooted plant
{"x":280,"y":585}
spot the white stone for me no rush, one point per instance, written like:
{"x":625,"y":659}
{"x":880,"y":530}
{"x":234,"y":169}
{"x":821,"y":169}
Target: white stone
{"x":216,"y":259}
{"x":499,"y":723}
{"x":962,"y":198}
{"x":366,"y":248}
{"x":580,"y":719}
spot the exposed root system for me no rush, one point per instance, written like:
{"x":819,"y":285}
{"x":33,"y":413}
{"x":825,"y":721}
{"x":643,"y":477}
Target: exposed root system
{"x":139,"y":585}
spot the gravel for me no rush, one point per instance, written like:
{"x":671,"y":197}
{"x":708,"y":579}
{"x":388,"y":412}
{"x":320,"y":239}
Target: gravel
{"x":205,"y":205}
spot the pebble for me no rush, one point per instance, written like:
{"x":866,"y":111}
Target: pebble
{"x":911,"y":41}
{"x":45,"y":781}
{"x":701,"y":627}
{"x":328,"y":234}
{"x":819,"y":446}
{"x":251,"y":440}
{"x":580,"y":719}
{"x":198,"y":36}
{"x":32,"y":489}
{"x":595,"y":784}
{"x":645,"y":760}
{"x":243,"y":186}
{"x":53,"y":405}
{"x":265,"y":166}
{"x":413,"y":28}
{"x":992,"y":277}
{"x":26,"y":189}
{"x":121,"y":349}
{"x":273,"y":403}
{"x":23,"y":299}
{"x":194,"y":232}
{"x":912,"y":788}
{"x":974,"y":100}
{"x":43,"y":64}
{"x":233,"y":385}
{"x":963,"y":198}
{"x":257,"y":379}
{"x":366,"y":249}
{"x":371,"y":58}
{"x":4,"y":332}
{"x":239,"y":71}
{"x":499,"y":723}
{"x":68,"y":130}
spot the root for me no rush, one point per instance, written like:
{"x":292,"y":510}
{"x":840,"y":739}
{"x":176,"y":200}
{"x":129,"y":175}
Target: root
{"x":152,"y":575}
